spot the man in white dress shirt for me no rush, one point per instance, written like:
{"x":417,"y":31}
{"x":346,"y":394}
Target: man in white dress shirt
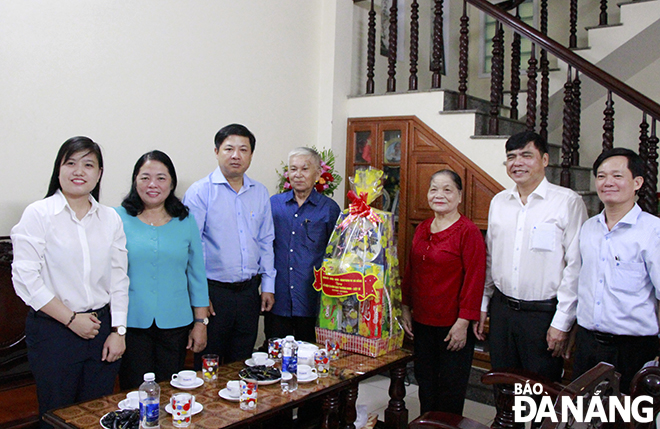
{"x":533,"y":264}
{"x":619,"y":283}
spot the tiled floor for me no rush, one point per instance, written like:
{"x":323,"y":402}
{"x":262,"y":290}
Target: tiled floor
{"x":373,"y":394}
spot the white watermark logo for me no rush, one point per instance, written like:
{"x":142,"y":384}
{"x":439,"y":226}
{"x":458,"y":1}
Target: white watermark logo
{"x":604,"y":408}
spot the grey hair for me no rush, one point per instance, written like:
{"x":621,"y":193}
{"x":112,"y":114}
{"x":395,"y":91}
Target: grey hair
{"x":452,"y":175}
{"x":309,"y":152}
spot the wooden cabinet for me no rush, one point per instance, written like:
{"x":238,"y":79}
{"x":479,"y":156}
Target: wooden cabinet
{"x":409,"y":152}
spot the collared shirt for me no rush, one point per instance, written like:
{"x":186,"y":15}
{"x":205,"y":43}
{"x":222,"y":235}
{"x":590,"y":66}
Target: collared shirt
{"x":166,"y":268}
{"x":82,"y":262}
{"x":533,"y":251}
{"x":445,"y":273}
{"x":619,"y":283}
{"x":236,"y":229}
{"x":301,"y":236}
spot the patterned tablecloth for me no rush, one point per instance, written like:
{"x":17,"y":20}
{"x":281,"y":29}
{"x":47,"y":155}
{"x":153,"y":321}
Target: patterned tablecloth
{"x":218,"y":412}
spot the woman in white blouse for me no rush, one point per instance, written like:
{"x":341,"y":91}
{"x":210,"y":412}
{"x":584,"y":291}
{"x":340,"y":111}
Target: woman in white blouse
{"x":70,"y":267}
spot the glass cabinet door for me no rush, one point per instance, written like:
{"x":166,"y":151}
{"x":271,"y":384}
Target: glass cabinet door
{"x":363,"y":147}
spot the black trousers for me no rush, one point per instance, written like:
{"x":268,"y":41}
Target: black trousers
{"x":442,"y":375}
{"x":66,"y":368}
{"x":517,"y":339}
{"x":302,"y":328}
{"x":627,"y":353}
{"x":161,"y":351}
{"x":232,"y":332}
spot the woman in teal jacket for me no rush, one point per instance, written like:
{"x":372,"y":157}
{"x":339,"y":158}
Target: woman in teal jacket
{"x":168,"y":293}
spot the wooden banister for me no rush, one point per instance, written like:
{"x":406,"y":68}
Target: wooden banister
{"x":586,"y":68}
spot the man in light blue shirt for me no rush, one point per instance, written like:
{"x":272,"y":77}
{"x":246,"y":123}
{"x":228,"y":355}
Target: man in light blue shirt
{"x":619,"y":282}
{"x":236,"y":226}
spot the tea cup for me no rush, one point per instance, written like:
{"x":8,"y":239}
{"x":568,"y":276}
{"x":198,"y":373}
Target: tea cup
{"x":259,"y":358}
{"x":306,"y":372}
{"x":133,"y":399}
{"x":185,"y":378}
{"x":234,"y":388}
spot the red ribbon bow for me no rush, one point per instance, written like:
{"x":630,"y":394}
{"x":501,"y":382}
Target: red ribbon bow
{"x":360,"y":208}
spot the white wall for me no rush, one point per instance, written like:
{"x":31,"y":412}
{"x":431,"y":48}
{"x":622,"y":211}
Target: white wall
{"x":154,"y":74}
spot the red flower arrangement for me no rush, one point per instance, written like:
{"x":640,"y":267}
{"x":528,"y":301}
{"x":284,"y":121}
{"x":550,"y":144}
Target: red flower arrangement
{"x":327,"y":183}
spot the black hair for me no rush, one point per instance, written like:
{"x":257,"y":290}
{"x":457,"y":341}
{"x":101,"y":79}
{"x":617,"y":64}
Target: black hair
{"x":520,"y":140}
{"x":452,"y":175}
{"x":134,"y":204}
{"x":635,"y":163}
{"x":67,"y":150}
{"x":235,"y":130}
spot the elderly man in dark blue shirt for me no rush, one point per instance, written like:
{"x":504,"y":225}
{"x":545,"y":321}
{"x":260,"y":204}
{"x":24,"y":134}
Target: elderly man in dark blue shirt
{"x":304,"y":221}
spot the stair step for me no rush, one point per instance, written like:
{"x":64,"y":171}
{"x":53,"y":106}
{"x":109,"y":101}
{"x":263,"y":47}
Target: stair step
{"x":554,"y":153}
{"x":595,"y":27}
{"x":473,"y":103}
{"x":580,"y":177}
{"x":592,"y":202}
{"x":507,"y":126}
{"x":623,"y":3}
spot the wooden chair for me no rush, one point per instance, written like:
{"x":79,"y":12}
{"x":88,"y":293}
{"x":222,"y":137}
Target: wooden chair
{"x":17,"y":390}
{"x":602,"y":380}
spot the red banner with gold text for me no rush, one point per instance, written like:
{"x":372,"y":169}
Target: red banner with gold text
{"x":336,"y":285}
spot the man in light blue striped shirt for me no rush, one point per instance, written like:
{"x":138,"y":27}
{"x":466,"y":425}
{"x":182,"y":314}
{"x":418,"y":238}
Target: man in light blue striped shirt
{"x":236,"y":226}
{"x":619,"y":282}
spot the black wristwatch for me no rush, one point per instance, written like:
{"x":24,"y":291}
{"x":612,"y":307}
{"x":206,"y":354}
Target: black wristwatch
{"x":120,"y":330}
{"x":204,"y":321}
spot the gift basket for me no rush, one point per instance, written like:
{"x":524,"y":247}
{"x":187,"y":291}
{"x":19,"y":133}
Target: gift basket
{"x":359,"y":279}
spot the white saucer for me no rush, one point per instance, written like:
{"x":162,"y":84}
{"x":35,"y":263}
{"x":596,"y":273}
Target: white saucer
{"x":123,"y":405}
{"x":196,"y":409}
{"x":250,"y":362}
{"x":224,"y":394}
{"x":307,"y":380}
{"x":198,"y":382}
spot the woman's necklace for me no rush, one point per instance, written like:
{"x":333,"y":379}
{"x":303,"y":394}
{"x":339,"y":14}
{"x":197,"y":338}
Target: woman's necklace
{"x":159,"y":219}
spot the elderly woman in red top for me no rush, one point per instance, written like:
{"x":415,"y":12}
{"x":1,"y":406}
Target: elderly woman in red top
{"x":442,"y":290}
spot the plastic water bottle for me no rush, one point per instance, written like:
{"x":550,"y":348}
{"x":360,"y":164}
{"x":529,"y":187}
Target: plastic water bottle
{"x":289,"y":364}
{"x":149,"y":402}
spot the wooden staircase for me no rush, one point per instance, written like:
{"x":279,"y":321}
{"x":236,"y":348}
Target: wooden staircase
{"x":555,"y":97}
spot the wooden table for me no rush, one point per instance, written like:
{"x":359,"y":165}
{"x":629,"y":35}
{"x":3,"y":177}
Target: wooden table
{"x":338,"y":392}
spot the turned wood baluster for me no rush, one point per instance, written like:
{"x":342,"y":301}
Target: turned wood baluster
{"x":330,"y":411}
{"x":463,"y":60}
{"x":438,"y":46}
{"x":371,"y":49}
{"x":496,"y":79}
{"x":515,"y":72}
{"x":603,"y":12}
{"x":396,"y":413}
{"x":414,"y":45}
{"x":348,"y":399}
{"x":572,"y":38}
{"x":577,"y":111}
{"x":531,"y":90}
{"x":545,"y":76}
{"x":608,"y":123}
{"x":652,"y":169}
{"x":391,"y":51}
{"x":644,"y":193}
{"x":648,"y":151}
{"x":643,"y":138}
{"x":504,"y":397}
{"x":567,"y":132}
